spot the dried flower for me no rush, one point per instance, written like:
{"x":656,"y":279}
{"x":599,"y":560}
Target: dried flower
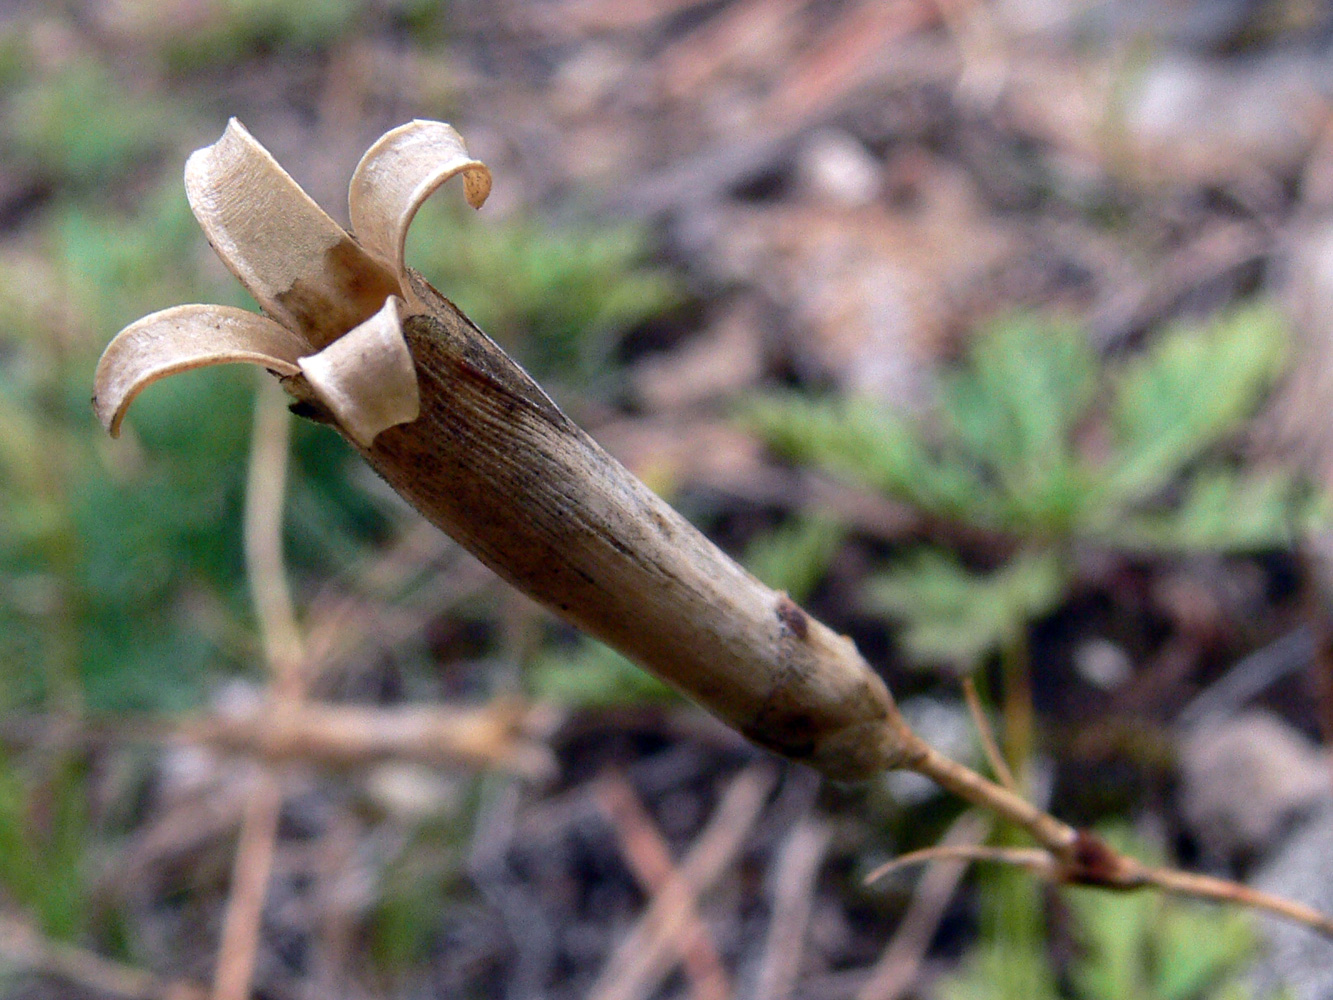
{"x":335,"y":304}
{"x":469,"y":439}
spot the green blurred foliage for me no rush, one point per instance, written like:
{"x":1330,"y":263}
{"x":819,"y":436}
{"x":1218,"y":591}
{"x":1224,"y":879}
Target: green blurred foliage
{"x":411,"y":909}
{"x":953,"y":614}
{"x":113,"y":540}
{"x":81,"y":125}
{"x":45,"y":838}
{"x":590,"y":674}
{"x":556,"y":295}
{"x":1035,"y":439}
{"x":234,"y":30}
{"x":1010,"y":447}
{"x":793,"y":557}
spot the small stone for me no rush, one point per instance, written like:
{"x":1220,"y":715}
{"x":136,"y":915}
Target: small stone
{"x":1295,"y":959}
{"x":1246,"y":780}
{"x":834,"y":165}
{"x":412,"y":793}
{"x":1102,"y":664}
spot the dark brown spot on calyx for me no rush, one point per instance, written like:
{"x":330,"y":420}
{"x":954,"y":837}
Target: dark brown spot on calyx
{"x":350,"y":288}
{"x":793,"y":619}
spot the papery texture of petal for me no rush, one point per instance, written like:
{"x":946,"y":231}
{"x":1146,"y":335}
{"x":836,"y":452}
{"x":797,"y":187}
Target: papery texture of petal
{"x":401,"y":171}
{"x":366,"y":377}
{"x":300,"y":266}
{"x":181,"y":338}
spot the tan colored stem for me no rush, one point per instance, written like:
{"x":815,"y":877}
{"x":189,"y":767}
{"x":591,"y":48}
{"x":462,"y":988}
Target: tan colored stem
{"x":266,"y":487}
{"x":495,"y":464}
{"x":648,"y":856}
{"x":238,"y":950}
{"x":987,"y":736}
{"x":1095,"y":864}
{"x":1057,"y":837}
{"x":265,"y":493}
{"x":350,"y":735}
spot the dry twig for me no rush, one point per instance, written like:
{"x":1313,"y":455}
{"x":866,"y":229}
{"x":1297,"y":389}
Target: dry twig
{"x":498,"y":735}
{"x":281,"y":637}
{"x":987,"y":736}
{"x":22,"y":945}
{"x":897,"y":967}
{"x":649,"y":857}
{"x":646,"y":954}
{"x":793,"y":891}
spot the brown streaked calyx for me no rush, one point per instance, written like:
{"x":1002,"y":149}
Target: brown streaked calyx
{"x":333,"y":306}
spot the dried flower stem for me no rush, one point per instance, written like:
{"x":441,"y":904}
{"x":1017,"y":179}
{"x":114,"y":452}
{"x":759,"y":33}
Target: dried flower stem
{"x":467,"y":437}
{"x":496,"y":465}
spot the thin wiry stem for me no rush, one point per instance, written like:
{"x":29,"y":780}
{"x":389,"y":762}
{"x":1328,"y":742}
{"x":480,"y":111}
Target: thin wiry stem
{"x":281,"y":637}
{"x":1033,"y":858}
{"x":986,"y":734}
{"x":266,"y":487}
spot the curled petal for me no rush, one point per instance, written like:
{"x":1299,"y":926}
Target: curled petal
{"x":366,"y":377}
{"x":181,"y":338}
{"x":300,"y":266}
{"x":401,"y":171}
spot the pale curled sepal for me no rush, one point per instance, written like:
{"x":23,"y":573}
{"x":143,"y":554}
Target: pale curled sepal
{"x":303,"y":269}
{"x":184,"y":337}
{"x":400,"y":172}
{"x":366,"y":377}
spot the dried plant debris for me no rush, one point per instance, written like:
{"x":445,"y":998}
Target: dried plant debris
{"x":334,"y":304}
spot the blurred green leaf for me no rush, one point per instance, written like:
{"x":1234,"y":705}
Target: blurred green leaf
{"x":232,"y":30}
{"x":592,"y":675}
{"x":1228,"y":511}
{"x":956,"y":616}
{"x":555,"y":294}
{"x":1014,"y":448}
{"x":862,"y":441}
{"x":1000,"y":972}
{"x":1193,"y":387}
{"x":1013,"y":411}
{"x":44,"y":841}
{"x":1007,"y":453}
{"x":796,"y":555}
{"x":82,"y":126}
